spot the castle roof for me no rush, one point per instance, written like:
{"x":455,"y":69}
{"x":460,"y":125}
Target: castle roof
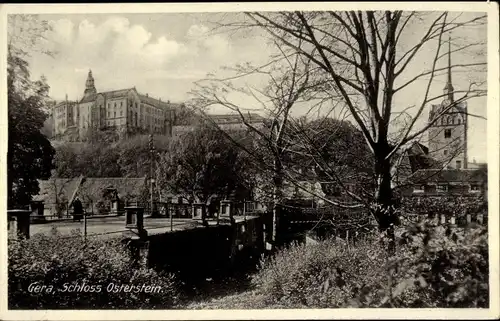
{"x":113,"y":94}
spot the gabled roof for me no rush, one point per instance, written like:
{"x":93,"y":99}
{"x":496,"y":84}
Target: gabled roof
{"x":63,"y":188}
{"x":92,"y":188}
{"x":89,"y":188}
{"x":448,"y":176}
{"x":458,"y":108}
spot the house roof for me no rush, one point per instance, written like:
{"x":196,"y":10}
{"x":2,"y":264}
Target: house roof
{"x":64,"y":188}
{"x":93,"y":188}
{"x":89,"y":188}
{"x":448,"y":176}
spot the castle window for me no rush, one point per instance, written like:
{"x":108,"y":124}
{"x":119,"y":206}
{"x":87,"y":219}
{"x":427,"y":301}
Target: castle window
{"x":121,"y":112}
{"x":459,"y":120}
{"x":114,"y":114}
{"x":447,"y":133}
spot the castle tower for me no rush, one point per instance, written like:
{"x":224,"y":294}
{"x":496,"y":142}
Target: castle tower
{"x":448,"y":133}
{"x":89,"y":86}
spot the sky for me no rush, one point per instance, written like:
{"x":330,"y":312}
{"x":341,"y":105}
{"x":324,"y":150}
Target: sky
{"x":164,"y":54}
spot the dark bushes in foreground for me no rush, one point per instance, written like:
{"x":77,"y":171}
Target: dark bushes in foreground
{"x":50,"y":272}
{"x":433,"y":267}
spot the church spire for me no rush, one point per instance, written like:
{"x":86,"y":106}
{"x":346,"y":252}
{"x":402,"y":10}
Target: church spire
{"x":89,"y":85}
{"x":448,"y":89}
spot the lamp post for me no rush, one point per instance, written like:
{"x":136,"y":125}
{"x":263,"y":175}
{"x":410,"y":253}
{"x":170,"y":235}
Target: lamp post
{"x":151,"y":152}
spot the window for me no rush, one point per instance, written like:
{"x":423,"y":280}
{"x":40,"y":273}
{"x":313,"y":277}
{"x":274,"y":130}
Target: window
{"x":447,"y":133}
{"x":115,"y":114}
{"x":459,"y":164}
{"x":114,"y":106}
{"x":445,"y":152}
{"x":121,"y":112}
{"x":442,"y":188}
{"x":109,"y":114}
{"x":121,"y":103}
{"x":459,"y":121}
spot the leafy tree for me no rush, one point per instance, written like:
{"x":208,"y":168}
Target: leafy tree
{"x":30,"y":154}
{"x":201,"y":165}
{"x":67,"y":161}
{"x":135,"y":155}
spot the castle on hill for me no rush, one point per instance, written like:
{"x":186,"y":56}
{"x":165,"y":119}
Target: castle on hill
{"x":124,"y":111}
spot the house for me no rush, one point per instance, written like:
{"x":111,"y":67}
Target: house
{"x":95,"y":193}
{"x":57,"y":193}
{"x":447,"y":182}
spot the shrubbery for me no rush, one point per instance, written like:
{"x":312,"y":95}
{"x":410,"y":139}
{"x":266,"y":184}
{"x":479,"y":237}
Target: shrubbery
{"x":60,"y":262}
{"x":451,"y":205}
{"x":433,"y":267}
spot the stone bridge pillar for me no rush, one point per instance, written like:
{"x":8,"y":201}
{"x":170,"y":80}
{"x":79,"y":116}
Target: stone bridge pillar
{"x":37,"y":208}
{"x":19,"y":223}
{"x":226,"y":210}
{"x":135,"y":221}
{"x":136,"y":236}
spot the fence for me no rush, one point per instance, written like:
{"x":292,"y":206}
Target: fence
{"x":47,"y":212}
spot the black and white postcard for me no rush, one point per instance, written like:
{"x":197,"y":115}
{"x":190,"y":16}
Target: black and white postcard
{"x":250,"y":161}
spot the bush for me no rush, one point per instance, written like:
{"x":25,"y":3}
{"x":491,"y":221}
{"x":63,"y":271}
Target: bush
{"x":55,"y":264}
{"x":433,"y":267}
{"x":323,"y":275}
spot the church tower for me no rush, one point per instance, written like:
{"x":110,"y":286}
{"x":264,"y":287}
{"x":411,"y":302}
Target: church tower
{"x":448,"y":133}
{"x":89,"y":86}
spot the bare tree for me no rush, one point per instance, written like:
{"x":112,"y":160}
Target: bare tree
{"x":362,"y":60}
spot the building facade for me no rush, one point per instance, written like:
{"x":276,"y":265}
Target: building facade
{"x":448,"y":130}
{"x":125,"y":111}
